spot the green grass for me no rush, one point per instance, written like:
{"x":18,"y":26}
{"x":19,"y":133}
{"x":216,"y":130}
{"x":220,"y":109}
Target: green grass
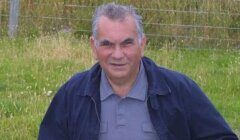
{"x":201,"y":15}
{"x":31,"y":71}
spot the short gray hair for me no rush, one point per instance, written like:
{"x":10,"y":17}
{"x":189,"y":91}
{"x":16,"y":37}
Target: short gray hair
{"x":116,"y":12}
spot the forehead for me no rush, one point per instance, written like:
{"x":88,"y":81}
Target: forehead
{"x":123,"y":20}
{"x":125,"y":27}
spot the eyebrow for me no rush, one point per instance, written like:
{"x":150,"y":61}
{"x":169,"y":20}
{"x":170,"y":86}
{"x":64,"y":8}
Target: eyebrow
{"x":107,"y":42}
{"x":128,"y":40}
{"x":104,"y":42}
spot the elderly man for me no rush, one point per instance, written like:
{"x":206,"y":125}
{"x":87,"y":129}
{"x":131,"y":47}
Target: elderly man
{"x":126,"y":96}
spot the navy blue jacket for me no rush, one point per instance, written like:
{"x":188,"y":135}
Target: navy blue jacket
{"x":178,"y":109}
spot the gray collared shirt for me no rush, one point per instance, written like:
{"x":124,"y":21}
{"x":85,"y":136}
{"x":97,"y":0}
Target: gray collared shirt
{"x":125,"y":118}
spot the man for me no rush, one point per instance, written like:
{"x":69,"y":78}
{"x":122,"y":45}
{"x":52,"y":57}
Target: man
{"x":127,"y":96}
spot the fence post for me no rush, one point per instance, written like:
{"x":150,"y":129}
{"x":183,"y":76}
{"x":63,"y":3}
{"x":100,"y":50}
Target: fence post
{"x":13,"y":18}
{"x":1,"y":18}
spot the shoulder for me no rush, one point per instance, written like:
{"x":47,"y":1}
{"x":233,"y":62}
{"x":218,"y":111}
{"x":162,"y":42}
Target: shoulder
{"x":175,"y":77}
{"x":77,"y":79}
{"x":181,"y":84}
{"x":79,"y":82}
{"x":178,"y":84}
{"x":171,"y":77}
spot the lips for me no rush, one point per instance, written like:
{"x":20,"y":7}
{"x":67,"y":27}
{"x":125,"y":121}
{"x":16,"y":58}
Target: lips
{"x":117,"y":65}
{"x":114,"y":64}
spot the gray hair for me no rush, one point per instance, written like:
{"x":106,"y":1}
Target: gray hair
{"x":116,"y":12}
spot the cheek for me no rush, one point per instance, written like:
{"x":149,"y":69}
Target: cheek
{"x":102,"y":55}
{"x":134,"y":54}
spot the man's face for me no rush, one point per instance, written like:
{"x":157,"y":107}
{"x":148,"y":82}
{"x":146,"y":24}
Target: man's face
{"x":117,"y":48}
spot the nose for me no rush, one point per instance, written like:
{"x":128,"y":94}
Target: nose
{"x":118,"y":53}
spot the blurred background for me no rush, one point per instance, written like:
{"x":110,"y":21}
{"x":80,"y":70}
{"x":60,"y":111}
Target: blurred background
{"x":188,"y":23}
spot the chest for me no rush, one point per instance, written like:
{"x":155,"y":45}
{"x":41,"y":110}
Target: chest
{"x":126,"y":119}
{"x":158,"y":121}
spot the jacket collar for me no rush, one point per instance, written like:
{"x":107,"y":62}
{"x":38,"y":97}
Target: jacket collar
{"x":157,"y":85}
{"x":92,"y":88}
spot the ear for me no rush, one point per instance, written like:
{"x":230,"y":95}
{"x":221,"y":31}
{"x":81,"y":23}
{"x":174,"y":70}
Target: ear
{"x":143,"y":44}
{"x":93,"y":47}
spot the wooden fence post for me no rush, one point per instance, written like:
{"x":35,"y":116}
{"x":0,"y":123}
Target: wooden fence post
{"x":1,"y":2}
{"x":13,"y":18}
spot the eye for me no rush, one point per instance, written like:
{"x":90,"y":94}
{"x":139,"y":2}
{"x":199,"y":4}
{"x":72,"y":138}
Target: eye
{"x":127,"y":42}
{"x":105,"y":43}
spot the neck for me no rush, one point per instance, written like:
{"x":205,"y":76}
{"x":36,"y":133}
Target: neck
{"x":121,"y":87}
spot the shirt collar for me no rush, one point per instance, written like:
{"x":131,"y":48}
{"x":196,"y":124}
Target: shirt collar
{"x":105,"y":87}
{"x":138,"y":91}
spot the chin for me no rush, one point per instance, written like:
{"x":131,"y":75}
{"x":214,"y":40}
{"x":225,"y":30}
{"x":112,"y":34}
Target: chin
{"x":117,"y":75}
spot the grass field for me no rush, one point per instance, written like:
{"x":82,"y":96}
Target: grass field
{"x":31,"y":70}
{"x":187,"y":21}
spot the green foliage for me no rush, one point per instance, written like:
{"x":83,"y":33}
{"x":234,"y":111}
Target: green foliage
{"x":32,"y":70}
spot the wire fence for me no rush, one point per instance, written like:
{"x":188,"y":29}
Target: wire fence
{"x":196,"y":23}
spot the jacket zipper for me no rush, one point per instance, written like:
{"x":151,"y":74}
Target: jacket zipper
{"x":95,"y":105}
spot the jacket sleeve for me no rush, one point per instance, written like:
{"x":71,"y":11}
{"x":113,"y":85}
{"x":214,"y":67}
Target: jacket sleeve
{"x":205,"y":121}
{"x":54,"y":123}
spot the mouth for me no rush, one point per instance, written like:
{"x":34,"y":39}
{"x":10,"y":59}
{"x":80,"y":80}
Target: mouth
{"x":117,"y":65}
